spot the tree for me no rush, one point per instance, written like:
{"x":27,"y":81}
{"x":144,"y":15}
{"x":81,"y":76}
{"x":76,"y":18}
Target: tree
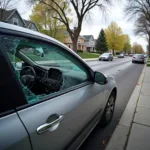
{"x":140,"y":11}
{"x":6,"y":5}
{"x":81,"y":8}
{"x":44,"y":21}
{"x":127,"y":45}
{"x":115,"y":37}
{"x":101,"y":43}
{"x":137,"y":49}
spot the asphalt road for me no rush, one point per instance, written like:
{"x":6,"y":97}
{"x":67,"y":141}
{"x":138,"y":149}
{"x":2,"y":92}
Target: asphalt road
{"x":126,"y":75}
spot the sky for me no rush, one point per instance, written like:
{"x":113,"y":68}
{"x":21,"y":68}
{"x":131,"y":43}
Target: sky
{"x":93,"y":24}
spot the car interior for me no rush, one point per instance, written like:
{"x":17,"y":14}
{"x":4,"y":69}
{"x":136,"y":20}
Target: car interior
{"x":47,"y":76}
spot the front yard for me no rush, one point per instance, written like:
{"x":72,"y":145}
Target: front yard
{"x":148,"y":62}
{"x":86,"y":55}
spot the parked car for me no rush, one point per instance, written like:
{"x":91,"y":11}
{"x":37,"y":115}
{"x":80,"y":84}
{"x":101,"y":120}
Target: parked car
{"x":145,"y":55}
{"x":131,"y":55}
{"x":121,"y":56}
{"x":106,"y":56}
{"x":139,"y":58}
{"x":126,"y":54}
{"x":51,"y":101}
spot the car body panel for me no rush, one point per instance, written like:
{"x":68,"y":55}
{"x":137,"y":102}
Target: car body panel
{"x":13,"y":135}
{"x":78,"y":108}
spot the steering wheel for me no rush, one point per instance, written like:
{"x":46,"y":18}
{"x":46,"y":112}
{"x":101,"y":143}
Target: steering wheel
{"x":28,"y":76}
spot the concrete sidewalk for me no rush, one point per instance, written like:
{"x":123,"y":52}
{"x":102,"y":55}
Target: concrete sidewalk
{"x":133,"y":130}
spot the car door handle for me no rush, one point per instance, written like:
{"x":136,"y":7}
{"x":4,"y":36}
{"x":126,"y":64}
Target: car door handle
{"x":51,"y":126}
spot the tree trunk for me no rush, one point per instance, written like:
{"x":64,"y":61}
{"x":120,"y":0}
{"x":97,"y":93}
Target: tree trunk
{"x":74,"y":42}
{"x":113,"y":52}
{"x":149,"y":47}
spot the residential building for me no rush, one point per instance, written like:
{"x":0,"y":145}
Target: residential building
{"x":30,"y":25}
{"x":68,"y":41}
{"x":13,"y":17}
{"x":89,"y":43}
{"x":80,"y":43}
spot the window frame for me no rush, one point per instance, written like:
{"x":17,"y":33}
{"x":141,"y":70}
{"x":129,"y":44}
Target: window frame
{"x":48,"y":41}
{"x":15,"y":20}
{"x":14,"y":87}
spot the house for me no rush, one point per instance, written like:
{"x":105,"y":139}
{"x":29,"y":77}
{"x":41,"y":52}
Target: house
{"x":89,"y":43}
{"x":13,"y":17}
{"x":30,"y":25}
{"x":80,"y":44}
{"x":68,"y":42}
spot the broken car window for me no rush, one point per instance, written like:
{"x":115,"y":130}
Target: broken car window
{"x":42,"y":69}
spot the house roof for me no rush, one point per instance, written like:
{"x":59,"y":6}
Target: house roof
{"x":27,"y":22}
{"x":6,"y":14}
{"x":87,"y":37}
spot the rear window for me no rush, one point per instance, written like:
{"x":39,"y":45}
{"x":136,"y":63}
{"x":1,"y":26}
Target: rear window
{"x":138,"y":55}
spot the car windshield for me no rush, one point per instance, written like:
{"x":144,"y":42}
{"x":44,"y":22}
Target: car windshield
{"x":44,"y":55}
{"x":105,"y":54}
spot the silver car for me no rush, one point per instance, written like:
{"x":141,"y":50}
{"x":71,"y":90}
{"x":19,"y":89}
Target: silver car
{"x":106,"y":56}
{"x":49,"y":97}
{"x":138,"y":58}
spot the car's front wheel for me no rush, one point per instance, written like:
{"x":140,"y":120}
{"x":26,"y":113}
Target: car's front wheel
{"x":109,"y":110}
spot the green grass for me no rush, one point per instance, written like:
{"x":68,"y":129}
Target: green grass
{"x":148,"y":65}
{"x":88,"y":55}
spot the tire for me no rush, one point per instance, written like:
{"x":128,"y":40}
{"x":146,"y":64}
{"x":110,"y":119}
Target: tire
{"x":133,"y":62}
{"x":109,"y":110}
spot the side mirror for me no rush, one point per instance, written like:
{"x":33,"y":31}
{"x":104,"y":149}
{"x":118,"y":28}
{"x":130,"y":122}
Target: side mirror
{"x":100,"y":78}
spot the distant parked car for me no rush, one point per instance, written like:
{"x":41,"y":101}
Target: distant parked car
{"x":145,"y":55}
{"x":126,"y":54}
{"x":139,"y":58}
{"x":121,"y":56}
{"x":106,"y":56}
{"x":130,"y":55}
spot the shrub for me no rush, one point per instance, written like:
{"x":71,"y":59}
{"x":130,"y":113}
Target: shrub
{"x":117,"y":53}
{"x":80,"y":51}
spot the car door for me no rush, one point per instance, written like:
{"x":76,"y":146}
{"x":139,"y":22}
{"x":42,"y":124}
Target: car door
{"x":13,"y":135}
{"x":54,"y":121}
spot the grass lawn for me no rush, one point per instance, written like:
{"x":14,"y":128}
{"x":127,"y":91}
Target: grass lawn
{"x":88,"y":55}
{"x":148,"y":62}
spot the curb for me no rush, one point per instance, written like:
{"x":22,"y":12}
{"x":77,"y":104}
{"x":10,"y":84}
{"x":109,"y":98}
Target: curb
{"x":92,"y":59}
{"x":120,"y":136}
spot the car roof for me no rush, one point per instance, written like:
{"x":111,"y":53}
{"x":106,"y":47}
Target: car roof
{"x":29,"y":31}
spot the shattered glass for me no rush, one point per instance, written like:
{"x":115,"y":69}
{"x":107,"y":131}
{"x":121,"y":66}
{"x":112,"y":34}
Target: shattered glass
{"x":46,"y":55}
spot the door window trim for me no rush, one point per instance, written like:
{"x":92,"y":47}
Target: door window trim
{"x":48,"y":98}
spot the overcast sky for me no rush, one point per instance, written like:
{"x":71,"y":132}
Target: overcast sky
{"x":96,"y":22}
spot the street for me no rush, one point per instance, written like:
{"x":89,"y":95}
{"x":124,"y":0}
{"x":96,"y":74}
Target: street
{"x":126,"y":75}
